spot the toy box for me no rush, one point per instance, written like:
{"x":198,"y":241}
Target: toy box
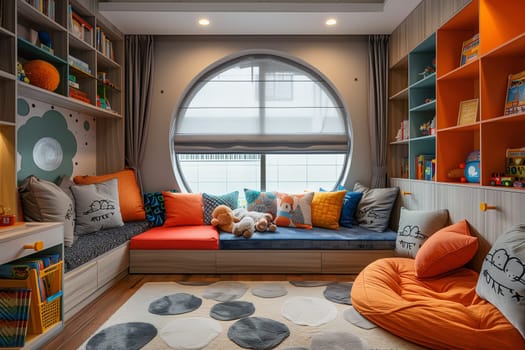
{"x":472,"y":173}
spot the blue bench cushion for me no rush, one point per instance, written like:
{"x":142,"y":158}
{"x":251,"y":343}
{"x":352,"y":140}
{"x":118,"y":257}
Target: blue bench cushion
{"x":355,"y":237}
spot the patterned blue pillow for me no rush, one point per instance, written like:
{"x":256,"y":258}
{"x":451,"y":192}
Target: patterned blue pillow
{"x":154,"y":208}
{"x":211,"y":201}
{"x":349,"y":206}
{"x":263,"y":202}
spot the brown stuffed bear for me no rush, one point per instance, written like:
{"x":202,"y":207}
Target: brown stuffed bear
{"x":223,"y":218}
{"x":262,"y":221}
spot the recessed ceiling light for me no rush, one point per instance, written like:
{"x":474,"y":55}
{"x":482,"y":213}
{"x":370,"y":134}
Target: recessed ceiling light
{"x":204,"y":22}
{"x":331,"y":22}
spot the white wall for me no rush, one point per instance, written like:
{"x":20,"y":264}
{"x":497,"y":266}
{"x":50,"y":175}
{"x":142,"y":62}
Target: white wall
{"x":179,"y":59}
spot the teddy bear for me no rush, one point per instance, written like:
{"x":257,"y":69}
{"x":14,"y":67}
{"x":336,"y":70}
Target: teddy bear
{"x":245,"y":227}
{"x":262,"y":221}
{"x":223,"y":218}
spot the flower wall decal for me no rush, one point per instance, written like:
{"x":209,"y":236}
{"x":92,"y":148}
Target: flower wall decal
{"x":46,"y":147}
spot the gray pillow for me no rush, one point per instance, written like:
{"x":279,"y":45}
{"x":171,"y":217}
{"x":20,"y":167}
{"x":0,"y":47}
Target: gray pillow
{"x":502,"y":278}
{"x":97,"y":206}
{"x":374,"y":208}
{"x":44,"y":201}
{"x":415,"y":226}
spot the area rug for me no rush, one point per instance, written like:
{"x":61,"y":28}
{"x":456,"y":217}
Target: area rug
{"x":242,"y":315}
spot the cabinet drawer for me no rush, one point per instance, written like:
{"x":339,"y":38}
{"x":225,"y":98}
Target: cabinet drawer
{"x":112,"y":263}
{"x":79,"y":284}
{"x":12,"y":242}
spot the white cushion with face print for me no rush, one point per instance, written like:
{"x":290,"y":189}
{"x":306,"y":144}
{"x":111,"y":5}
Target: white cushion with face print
{"x":502,"y":278}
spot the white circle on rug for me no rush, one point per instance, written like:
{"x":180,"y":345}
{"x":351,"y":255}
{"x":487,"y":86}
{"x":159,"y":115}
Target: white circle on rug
{"x":338,"y":340}
{"x":190,"y":333}
{"x":308,"y":311}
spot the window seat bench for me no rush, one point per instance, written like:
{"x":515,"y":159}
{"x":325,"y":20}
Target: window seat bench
{"x":289,"y":250}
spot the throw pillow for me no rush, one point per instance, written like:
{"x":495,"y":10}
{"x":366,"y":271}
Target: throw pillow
{"x":262,"y":202}
{"x":294,"y":210}
{"x":97,"y":206}
{"x":446,"y":250}
{"x":183,"y":209}
{"x":130,"y":198}
{"x":326,"y":209}
{"x":44,"y":201}
{"x":375,"y":206}
{"x":154,"y":208}
{"x":502,"y":278}
{"x":211,"y":201}
{"x":415,"y":226}
{"x":349,"y":208}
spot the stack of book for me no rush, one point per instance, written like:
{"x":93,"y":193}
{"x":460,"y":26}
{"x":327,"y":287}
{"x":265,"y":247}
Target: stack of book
{"x":104,"y":44}
{"x":79,"y":64}
{"x":79,"y":27}
{"x":14,"y":316}
{"x":78,"y":94}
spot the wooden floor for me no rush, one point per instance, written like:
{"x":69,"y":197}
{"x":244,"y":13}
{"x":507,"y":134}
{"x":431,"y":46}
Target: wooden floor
{"x":86,"y":322}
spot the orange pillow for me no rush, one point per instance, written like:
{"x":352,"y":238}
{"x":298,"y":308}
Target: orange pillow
{"x":326,"y":209}
{"x":446,"y":250}
{"x":183,"y":209}
{"x":130,"y":198}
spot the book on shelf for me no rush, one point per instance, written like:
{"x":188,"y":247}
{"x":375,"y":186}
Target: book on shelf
{"x":425,"y":163}
{"x":515,"y":163}
{"x":47,"y":7}
{"x":470,"y":50}
{"x":515,"y":101}
{"x":79,"y":64}
{"x":78,"y":26}
{"x":404,"y":168}
{"x":104,"y":44}
{"x":79,"y":94}
{"x":20,"y":270}
{"x":14,"y":316}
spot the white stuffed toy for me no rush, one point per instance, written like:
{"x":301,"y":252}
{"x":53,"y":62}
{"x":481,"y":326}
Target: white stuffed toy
{"x":245,"y":227}
{"x":262,"y":221}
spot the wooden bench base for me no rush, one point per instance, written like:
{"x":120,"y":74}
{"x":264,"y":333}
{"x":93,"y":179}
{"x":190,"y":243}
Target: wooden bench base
{"x":253,"y":261}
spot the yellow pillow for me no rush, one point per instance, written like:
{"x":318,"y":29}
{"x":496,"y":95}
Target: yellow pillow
{"x":326,"y":209}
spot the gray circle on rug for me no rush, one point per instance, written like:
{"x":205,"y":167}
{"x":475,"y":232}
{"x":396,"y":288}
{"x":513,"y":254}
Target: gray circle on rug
{"x":194,"y":283}
{"x":269,"y":290}
{"x":339,"y":292}
{"x":190,"y":333}
{"x":338,"y":340}
{"x":232,"y":310}
{"x":225,"y":291}
{"x":354,"y":317}
{"x":309,"y":283}
{"x":175,"y":304}
{"x":258,"y":333}
{"x":123,"y":336}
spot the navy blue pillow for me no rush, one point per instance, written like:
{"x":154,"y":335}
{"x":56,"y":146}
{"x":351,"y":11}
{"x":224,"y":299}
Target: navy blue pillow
{"x":154,"y":208}
{"x":349,"y":207}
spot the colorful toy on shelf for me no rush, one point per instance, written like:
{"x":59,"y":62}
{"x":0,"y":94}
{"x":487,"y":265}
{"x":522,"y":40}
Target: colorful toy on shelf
{"x":42,"y":74}
{"x":20,"y":73}
{"x":427,"y":71}
{"x":472,"y":173}
{"x":6,"y":218}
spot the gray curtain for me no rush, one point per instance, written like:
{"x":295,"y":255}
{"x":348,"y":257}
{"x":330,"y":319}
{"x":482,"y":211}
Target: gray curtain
{"x":139,"y":72}
{"x":378,"y":107}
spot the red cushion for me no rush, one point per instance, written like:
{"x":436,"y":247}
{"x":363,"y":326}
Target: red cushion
{"x":180,"y":237}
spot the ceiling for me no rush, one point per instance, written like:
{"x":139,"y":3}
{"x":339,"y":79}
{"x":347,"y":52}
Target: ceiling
{"x":256,"y":17}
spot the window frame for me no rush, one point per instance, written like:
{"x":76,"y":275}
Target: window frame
{"x":213,"y":69}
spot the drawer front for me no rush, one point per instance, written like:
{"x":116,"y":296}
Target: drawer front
{"x":79,"y":284}
{"x":12,"y":244}
{"x":112,"y":263}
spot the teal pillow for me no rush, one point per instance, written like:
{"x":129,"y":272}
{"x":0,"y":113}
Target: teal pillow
{"x":262,"y":202}
{"x":211,"y":201}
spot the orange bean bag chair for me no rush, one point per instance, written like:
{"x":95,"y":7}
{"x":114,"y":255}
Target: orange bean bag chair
{"x":443,"y":312}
